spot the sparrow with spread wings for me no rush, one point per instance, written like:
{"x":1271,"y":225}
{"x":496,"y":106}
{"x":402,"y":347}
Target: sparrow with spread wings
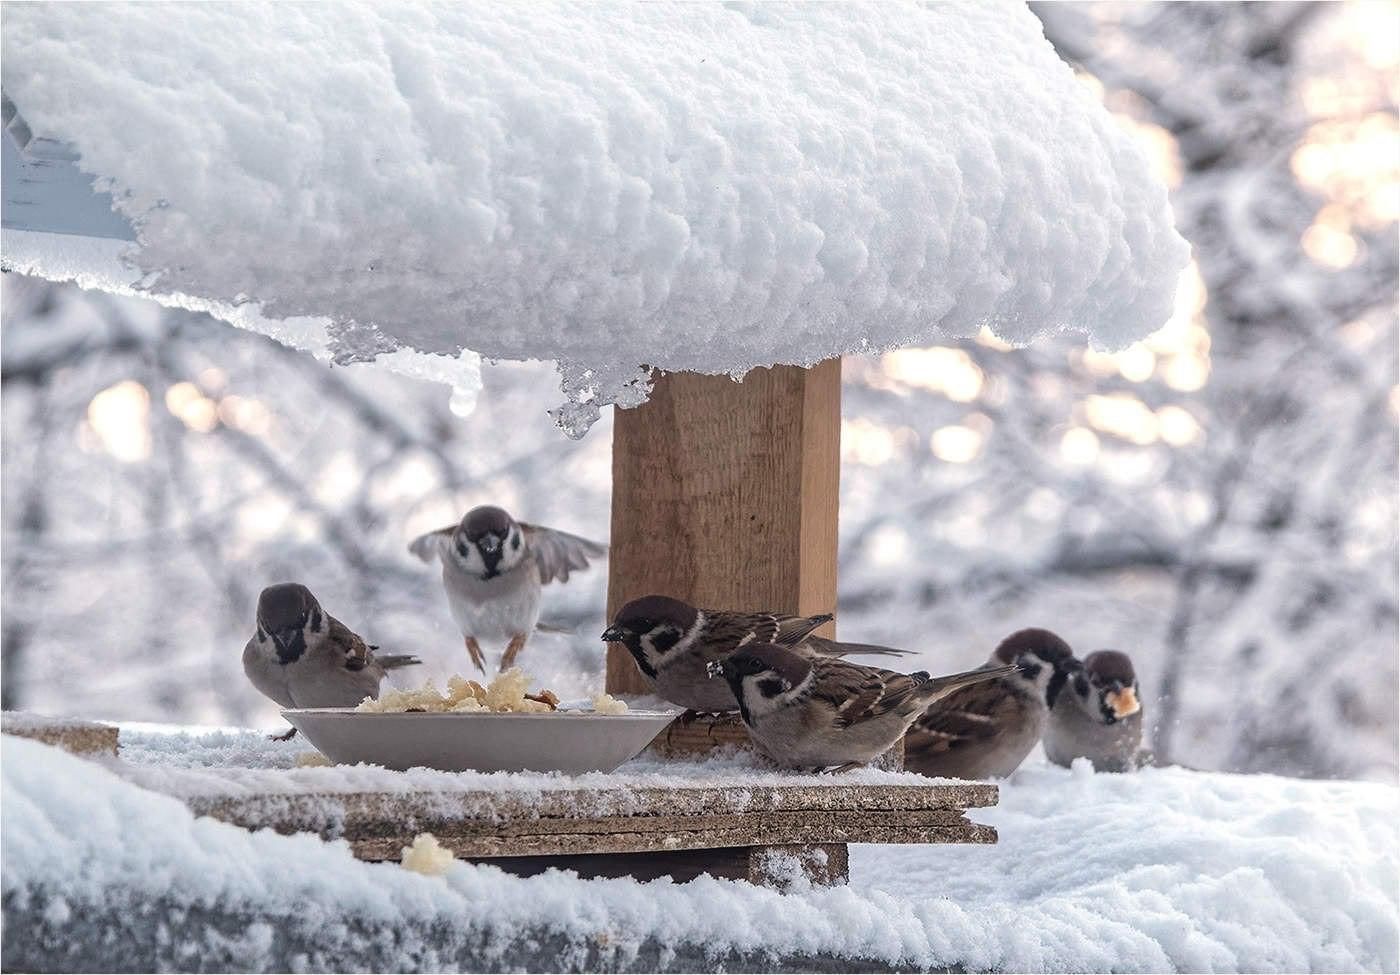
{"x":493,"y":568}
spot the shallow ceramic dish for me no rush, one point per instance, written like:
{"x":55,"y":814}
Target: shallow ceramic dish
{"x":562,"y":741}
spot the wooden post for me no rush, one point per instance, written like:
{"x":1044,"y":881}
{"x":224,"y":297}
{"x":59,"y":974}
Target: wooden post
{"x":725,"y":495}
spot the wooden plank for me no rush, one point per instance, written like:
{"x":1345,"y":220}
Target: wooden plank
{"x":316,"y":811}
{"x":825,"y":864}
{"x":84,"y":738}
{"x":725,"y":494}
{"x":623,"y":841}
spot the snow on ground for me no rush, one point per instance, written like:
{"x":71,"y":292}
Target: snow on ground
{"x":694,"y":187}
{"x":1165,"y":869}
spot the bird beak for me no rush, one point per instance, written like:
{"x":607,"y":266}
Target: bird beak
{"x":613,"y":634}
{"x":1123,"y":702}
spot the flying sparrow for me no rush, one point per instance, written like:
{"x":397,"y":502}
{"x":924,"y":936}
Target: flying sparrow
{"x":303,"y":657}
{"x":818,"y":712}
{"x":1098,"y":716}
{"x":986,"y":730}
{"x":493,"y":568}
{"x":674,"y":643}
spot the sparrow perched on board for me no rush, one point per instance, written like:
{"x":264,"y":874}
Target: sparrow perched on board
{"x":986,"y":730}
{"x":493,"y":568}
{"x":813,"y":711}
{"x":303,"y":657}
{"x":1098,"y":716}
{"x":674,"y":643}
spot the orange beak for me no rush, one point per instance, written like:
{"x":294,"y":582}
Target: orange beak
{"x":1123,"y":702}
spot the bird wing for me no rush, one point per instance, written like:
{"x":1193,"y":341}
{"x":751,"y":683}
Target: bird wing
{"x":348,"y":645}
{"x":971,"y":714}
{"x":427,"y":547}
{"x":729,"y":631}
{"x":838,"y":648}
{"x":858,"y":693}
{"x":559,"y":553}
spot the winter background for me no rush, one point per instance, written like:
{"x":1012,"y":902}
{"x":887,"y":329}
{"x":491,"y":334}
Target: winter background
{"x":1220,"y":500}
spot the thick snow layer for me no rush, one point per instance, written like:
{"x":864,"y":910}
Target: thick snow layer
{"x":685,"y":186}
{"x":98,"y":264}
{"x":1166,"y":869}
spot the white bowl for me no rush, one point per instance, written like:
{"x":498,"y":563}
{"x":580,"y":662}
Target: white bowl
{"x":561,"y":741}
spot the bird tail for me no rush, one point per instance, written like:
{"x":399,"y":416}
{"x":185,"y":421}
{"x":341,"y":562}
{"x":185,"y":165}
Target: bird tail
{"x":392,"y":661}
{"x":934,"y":688}
{"x":840,"y":648}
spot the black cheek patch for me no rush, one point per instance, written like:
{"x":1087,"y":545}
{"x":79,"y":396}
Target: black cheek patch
{"x":462,"y":549}
{"x":664,"y":638}
{"x":316,"y":622}
{"x":515,"y":542}
{"x":772,"y":686}
{"x":1030,"y":671}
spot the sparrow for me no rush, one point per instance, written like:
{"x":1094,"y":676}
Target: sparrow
{"x":493,"y":568}
{"x":302,"y":657}
{"x":674,"y":643}
{"x":1098,"y":716}
{"x":813,"y":711}
{"x":986,"y":730}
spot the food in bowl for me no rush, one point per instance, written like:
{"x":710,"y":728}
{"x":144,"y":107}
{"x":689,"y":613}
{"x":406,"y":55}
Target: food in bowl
{"x":508,"y":693}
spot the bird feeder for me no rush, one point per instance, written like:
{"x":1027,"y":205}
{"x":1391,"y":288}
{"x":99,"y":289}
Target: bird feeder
{"x":660,"y":198}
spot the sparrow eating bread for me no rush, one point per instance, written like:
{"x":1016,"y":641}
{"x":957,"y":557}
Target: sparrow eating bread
{"x":819,"y":712}
{"x":986,"y":730}
{"x":1098,"y":716}
{"x":674,"y":643}
{"x":493,"y":568}
{"x":302,"y":657}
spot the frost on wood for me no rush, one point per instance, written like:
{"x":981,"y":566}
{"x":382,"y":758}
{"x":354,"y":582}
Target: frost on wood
{"x":689,"y":187}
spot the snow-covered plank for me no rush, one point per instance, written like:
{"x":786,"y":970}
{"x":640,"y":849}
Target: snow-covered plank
{"x":725,"y":494}
{"x":511,"y":831}
{"x":71,"y":734}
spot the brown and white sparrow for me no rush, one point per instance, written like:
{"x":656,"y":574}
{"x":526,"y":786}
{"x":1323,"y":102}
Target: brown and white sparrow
{"x":812,"y":711}
{"x":674,"y":643}
{"x":302,"y":657}
{"x":1098,"y":716}
{"x":986,"y":730}
{"x":493,"y":568}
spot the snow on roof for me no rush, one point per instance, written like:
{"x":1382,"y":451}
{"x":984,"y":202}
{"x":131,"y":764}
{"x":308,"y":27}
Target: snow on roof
{"x":690,"y":187}
{"x":1164,"y":870}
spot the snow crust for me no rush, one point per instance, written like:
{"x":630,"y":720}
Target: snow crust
{"x":617,"y":188}
{"x":1166,"y":869}
{"x":99,"y":264}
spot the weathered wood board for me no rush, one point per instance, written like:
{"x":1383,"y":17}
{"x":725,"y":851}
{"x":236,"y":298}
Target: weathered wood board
{"x":725,"y":495}
{"x":634,"y":832}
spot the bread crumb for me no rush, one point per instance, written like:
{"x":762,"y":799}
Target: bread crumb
{"x":313,"y":760}
{"x":604,"y":703}
{"x":426,"y":856}
{"x":507,"y":693}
